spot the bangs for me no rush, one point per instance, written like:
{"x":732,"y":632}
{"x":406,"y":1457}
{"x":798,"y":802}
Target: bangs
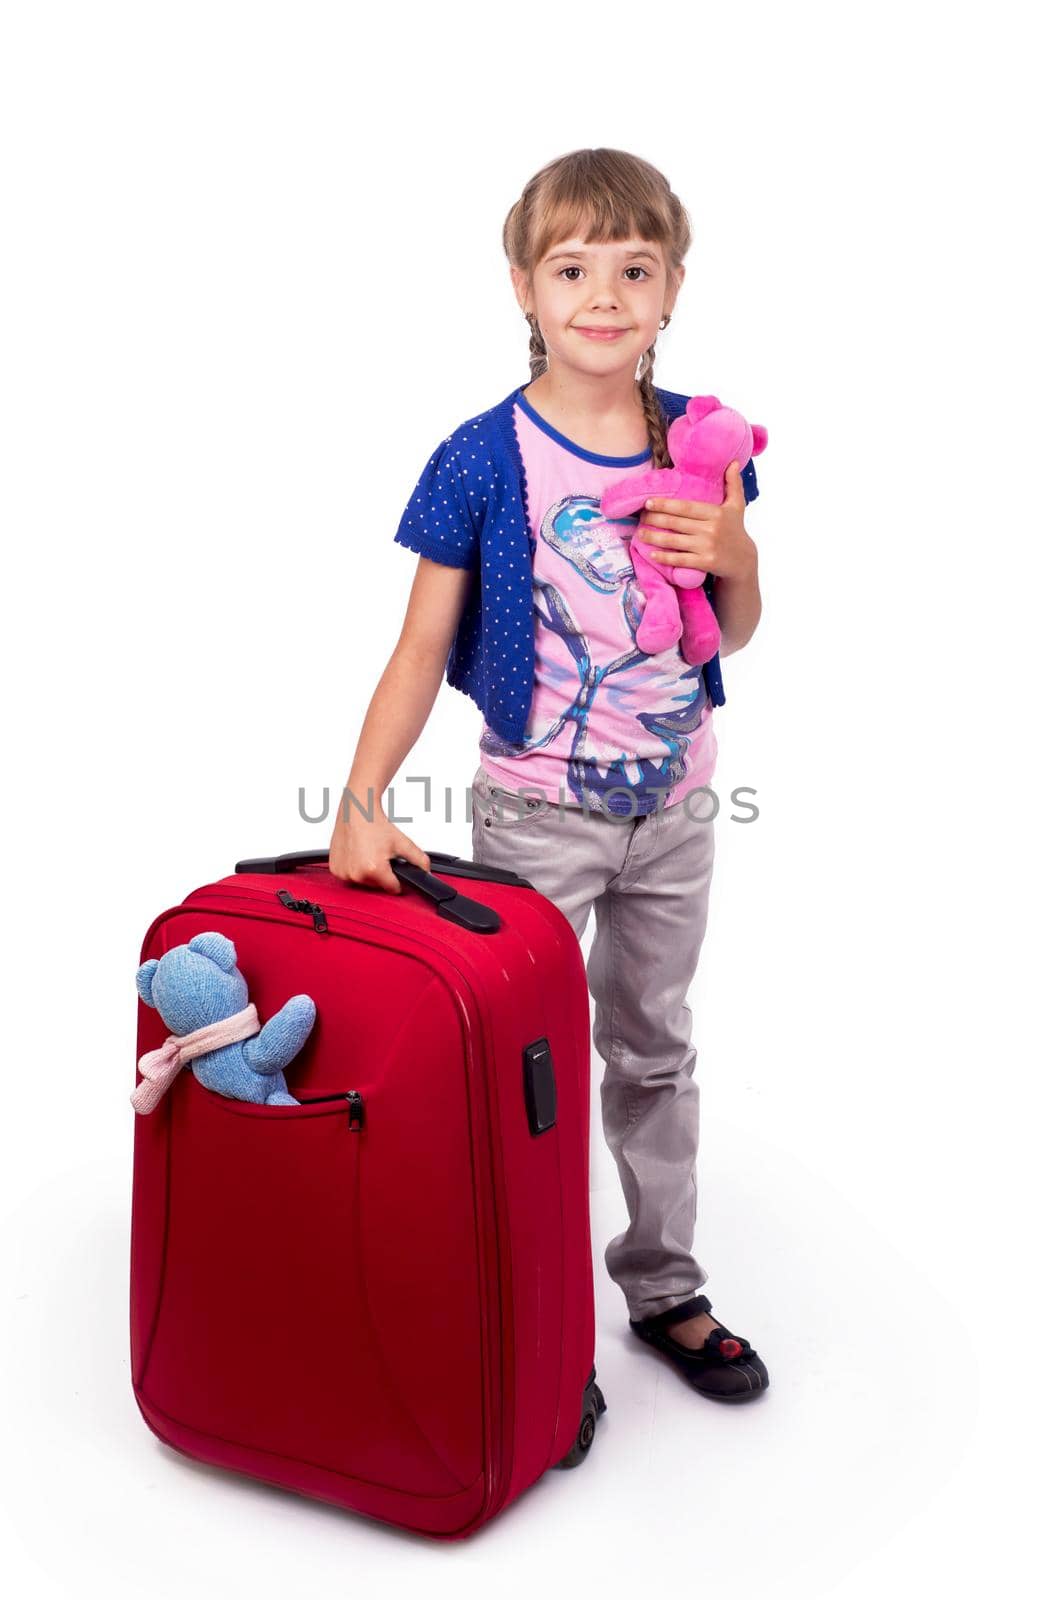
{"x":597,"y":218}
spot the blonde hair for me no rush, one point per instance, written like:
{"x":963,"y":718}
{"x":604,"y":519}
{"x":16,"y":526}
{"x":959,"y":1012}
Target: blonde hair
{"x":601,"y":196}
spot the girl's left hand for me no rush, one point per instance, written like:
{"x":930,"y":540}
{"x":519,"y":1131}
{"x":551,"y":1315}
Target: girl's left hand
{"x":691,"y":533}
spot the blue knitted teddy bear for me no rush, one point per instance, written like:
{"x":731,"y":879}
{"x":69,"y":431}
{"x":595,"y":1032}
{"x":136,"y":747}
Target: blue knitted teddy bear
{"x":203,"y":997}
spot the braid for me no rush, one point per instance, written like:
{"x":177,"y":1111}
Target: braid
{"x":655,"y":421}
{"x":536,"y":347}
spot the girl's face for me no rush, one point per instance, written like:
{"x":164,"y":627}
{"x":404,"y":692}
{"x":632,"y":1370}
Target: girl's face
{"x":621,"y":288}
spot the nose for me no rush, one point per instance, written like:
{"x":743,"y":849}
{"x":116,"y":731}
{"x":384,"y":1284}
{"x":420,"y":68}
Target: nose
{"x":604,"y":295}
{"x":604,"y":302}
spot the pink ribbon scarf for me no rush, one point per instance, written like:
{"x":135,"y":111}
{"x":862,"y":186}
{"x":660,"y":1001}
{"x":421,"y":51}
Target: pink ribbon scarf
{"x":160,"y":1068}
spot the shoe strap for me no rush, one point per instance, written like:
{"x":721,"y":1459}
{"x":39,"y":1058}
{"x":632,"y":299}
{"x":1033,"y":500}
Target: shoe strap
{"x":679,"y":1313}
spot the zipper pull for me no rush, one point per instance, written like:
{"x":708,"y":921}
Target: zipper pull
{"x":307,"y":907}
{"x":354,"y":1101}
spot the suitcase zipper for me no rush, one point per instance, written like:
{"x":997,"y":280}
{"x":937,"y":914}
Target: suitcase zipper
{"x":355,"y":1104}
{"x":309,"y":908}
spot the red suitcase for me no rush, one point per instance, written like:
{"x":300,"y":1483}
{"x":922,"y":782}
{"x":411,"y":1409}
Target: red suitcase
{"x":382,"y":1297}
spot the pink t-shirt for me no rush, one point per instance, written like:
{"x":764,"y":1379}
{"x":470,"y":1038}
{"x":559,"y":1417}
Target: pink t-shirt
{"x":609,"y":726}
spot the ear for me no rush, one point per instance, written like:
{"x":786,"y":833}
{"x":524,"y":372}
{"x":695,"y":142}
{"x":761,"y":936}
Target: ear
{"x":217,"y":948}
{"x":519,"y":280}
{"x":701,"y":405}
{"x":144,"y":980}
{"x":761,"y":438}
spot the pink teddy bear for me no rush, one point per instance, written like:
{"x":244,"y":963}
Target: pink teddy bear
{"x":702,"y":442}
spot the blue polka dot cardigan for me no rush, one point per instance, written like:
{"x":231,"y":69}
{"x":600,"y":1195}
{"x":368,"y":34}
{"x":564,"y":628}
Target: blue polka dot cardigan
{"x":470,"y":509}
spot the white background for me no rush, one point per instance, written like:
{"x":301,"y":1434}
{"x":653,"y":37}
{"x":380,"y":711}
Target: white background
{"x":252,"y":273}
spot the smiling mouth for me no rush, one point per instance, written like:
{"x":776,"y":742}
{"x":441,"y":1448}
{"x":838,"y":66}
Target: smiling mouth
{"x":601,"y":333}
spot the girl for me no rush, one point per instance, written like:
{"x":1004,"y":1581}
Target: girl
{"x":593,"y":754}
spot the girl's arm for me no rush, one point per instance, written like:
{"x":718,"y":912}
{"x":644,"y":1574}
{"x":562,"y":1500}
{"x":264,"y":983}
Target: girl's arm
{"x":737,"y":603}
{"x":360,"y":850}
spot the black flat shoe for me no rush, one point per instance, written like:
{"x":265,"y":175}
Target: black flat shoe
{"x":725,"y":1368}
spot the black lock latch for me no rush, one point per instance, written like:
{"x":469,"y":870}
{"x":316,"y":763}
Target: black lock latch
{"x":539,"y":1087}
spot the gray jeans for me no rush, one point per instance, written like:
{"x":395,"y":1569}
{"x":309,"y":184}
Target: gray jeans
{"x":648,"y":880}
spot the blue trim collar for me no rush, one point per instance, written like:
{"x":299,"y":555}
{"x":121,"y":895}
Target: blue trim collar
{"x":570,"y":445}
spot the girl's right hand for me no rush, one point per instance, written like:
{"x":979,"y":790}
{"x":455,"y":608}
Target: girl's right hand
{"x":360,"y":852}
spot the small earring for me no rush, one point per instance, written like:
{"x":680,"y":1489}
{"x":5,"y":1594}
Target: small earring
{"x":664,"y":320}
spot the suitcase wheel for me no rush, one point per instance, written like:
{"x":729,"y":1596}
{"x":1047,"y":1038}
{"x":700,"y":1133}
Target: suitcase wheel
{"x":593,"y":1405}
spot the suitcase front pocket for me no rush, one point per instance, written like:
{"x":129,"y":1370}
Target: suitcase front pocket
{"x":265,"y":1333}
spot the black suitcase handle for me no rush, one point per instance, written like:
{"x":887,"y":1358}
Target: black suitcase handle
{"x":451,"y":866}
{"x":448,"y":902}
